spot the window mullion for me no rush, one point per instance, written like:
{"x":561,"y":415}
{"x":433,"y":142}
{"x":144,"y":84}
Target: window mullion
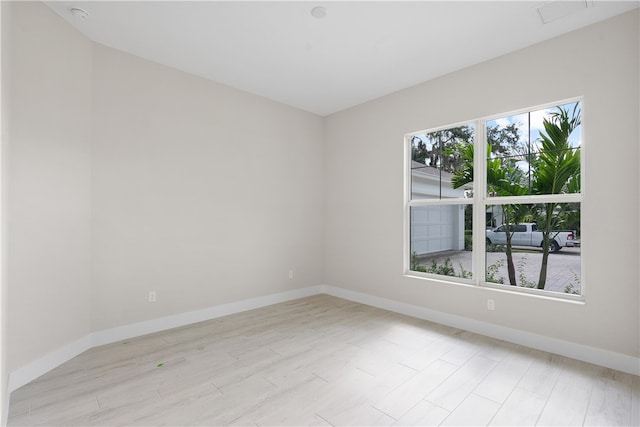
{"x":479,"y":204}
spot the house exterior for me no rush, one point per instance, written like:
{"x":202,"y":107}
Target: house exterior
{"x":435,"y":228}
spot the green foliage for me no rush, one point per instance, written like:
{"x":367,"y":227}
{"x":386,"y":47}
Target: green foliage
{"x":524,"y":280}
{"x":558,"y":164}
{"x":569,"y":217}
{"x":442,"y":149}
{"x":419,"y":152}
{"x":464,"y":174}
{"x":554,"y":169}
{"x":492,"y":270}
{"x":468,"y":240}
{"x":465,"y":274}
{"x":571,"y":287}
{"x":415,"y":264}
{"x":468,"y":219}
{"x":557,"y":171}
{"x":496,"y":248}
{"x":504,"y":140}
{"x":504,"y":178}
{"x":444,"y":269}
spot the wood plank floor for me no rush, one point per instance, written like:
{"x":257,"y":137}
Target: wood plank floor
{"x":323,"y":361}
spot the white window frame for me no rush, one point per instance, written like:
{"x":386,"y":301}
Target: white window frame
{"x":480,"y":201}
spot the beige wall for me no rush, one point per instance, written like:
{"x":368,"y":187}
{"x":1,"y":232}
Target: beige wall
{"x":127,"y":176}
{"x":5,"y":33}
{"x":364,"y":211}
{"x":49,"y":184}
{"x":203,"y":193}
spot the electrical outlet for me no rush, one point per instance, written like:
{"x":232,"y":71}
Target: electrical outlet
{"x":152,"y":296}
{"x":491,"y":305}
{"x":290,"y":274}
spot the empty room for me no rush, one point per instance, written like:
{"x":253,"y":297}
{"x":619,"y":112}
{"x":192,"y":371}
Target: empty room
{"x":320,"y":213}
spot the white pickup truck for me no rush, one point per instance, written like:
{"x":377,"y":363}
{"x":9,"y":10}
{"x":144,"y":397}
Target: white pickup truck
{"x":527,"y":234}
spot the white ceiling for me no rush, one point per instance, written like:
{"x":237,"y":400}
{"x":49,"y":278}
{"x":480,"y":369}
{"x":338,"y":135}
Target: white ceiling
{"x":360,"y":51}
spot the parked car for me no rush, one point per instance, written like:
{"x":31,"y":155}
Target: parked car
{"x":527,"y":234}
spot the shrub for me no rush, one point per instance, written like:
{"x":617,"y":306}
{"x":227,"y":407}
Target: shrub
{"x":445,"y":269}
{"x":496,"y":248}
{"x":468,"y":240}
{"x":492,"y":270}
{"x":570,"y":288}
{"x":415,"y":264}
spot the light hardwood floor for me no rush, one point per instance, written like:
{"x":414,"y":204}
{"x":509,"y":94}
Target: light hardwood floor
{"x":324,"y":361}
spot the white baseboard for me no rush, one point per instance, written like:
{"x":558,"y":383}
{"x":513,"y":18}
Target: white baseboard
{"x":41,"y":366}
{"x":109,"y":336}
{"x":33,"y":370}
{"x":601,"y":357}
{"x":597,"y":356}
{"x":5,"y":407}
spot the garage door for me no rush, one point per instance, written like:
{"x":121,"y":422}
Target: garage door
{"x":432,"y":229}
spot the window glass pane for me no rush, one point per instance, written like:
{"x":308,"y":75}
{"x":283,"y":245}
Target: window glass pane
{"x":441,"y":240}
{"x":438,"y":160}
{"x":535,"y":153}
{"x":518,"y":258}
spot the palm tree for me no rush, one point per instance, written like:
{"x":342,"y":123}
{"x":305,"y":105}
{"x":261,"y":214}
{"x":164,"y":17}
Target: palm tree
{"x":504,"y":178}
{"x":556,"y":171}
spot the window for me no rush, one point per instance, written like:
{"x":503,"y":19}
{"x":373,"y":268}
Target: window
{"x":442,"y":217}
{"x":496,"y":202}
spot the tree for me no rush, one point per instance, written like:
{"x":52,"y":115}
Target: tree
{"x":553,"y":169}
{"x":419,"y":152}
{"x":504,"y":178}
{"x":440,"y":149}
{"x":444,"y":149}
{"x":504,"y":140}
{"x":556,"y":171}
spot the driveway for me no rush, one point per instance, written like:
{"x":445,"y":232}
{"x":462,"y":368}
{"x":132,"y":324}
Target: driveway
{"x":563,"y":268}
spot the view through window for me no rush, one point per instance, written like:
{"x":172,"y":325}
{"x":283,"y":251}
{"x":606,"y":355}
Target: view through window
{"x":498,"y":201}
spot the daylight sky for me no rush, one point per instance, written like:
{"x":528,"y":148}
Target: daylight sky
{"x":537,"y":118}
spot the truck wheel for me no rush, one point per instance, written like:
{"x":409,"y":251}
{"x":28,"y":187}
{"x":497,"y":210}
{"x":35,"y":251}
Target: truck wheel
{"x":554,"y":246}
